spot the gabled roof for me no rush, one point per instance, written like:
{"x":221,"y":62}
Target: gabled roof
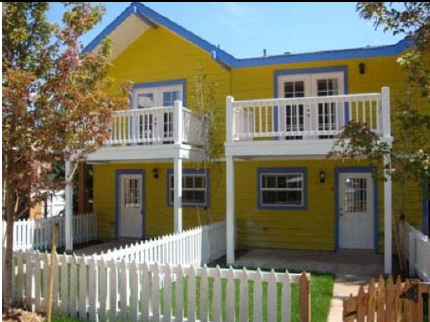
{"x":137,"y":18}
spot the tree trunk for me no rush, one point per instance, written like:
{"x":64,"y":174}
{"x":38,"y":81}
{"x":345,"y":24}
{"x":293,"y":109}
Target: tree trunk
{"x":7,"y":274}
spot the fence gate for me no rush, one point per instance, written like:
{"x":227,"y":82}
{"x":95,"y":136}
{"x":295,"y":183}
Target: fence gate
{"x":398,"y":302}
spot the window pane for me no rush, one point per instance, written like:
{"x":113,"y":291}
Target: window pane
{"x":170,"y":97}
{"x":188,"y":182}
{"x":145,"y":100}
{"x":269,"y":181}
{"x":199,"y":182}
{"x":293,"y":197}
{"x":295,"y":181}
{"x":282,"y":182}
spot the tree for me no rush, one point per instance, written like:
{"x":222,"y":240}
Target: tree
{"x":409,"y":157}
{"x":203,"y":98}
{"x":56,"y":101}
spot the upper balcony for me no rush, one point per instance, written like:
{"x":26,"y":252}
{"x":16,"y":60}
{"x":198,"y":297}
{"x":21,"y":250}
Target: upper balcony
{"x":152,"y":134}
{"x":303,"y":125}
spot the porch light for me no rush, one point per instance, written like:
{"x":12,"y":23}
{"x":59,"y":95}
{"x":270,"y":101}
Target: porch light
{"x":155,"y":173}
{"x":362,"y":68}
{"x":322,"y":176}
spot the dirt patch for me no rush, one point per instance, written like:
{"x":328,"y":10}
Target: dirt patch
{"x":20,"y":315}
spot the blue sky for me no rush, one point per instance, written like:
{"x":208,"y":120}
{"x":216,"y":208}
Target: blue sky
{"x":244,"y":29}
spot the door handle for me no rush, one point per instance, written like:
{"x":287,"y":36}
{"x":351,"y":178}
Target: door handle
{"x":340,"y":214}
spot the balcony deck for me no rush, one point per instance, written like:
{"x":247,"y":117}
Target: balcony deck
{"x":150,"y":134}
{"x":305,"y":126}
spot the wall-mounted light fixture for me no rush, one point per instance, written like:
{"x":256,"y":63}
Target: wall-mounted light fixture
{"x":322,"y":176}
{"x":155,"y":173}
{"x":362,"y":68}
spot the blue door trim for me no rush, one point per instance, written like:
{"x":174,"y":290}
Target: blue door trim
{"x":372,"y":170}
{"x":118,"y":174}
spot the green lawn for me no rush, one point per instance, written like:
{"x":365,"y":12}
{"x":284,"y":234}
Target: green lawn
{"x":321,"y":295}
{"x":63,"y":319}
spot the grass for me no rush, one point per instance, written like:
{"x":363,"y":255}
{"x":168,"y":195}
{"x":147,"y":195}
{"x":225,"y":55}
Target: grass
{"x":63,"y":319}
{"x":321,"y":294}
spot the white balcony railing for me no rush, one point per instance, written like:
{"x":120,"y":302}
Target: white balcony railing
{"x":306,"y":117}
{"x":156,"y":125}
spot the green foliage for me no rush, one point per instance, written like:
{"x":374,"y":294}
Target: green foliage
{"x":411,"y":19}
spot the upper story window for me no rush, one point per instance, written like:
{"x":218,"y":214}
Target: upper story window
{"x":301,"y":120}
{"x":282,"y":188}
{"x":158,"y":123}
{"x":195,"y":188}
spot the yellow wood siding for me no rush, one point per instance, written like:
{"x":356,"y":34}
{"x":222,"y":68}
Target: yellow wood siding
{"x":158,"y":215}
{"x":160,"y":55}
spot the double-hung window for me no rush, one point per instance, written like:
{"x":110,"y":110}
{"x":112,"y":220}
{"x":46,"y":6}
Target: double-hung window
{"x":195,"y":188}
{"x":282,"y":188}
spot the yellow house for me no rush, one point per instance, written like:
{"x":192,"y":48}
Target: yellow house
{"x":274,"y":186}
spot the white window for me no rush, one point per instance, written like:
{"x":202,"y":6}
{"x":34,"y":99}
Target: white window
{"x":132,"y":193}
{"x":282,"y":188}
{"x":306,"y":119}
{"x":194,"y":188}
{"x":158,"y":123}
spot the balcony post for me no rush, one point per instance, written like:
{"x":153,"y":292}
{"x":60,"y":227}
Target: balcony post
{"x":386,"y":122}
{"x":387,"y":218}
{"x":68,"y":225}
{"x":230,"y":222}
{"x":177,"y":199}
{"x":177,"y":123}
{"x":230,"y":118}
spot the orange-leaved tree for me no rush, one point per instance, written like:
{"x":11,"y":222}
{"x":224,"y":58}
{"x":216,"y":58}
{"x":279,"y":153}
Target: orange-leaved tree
{"x":56,"y":101}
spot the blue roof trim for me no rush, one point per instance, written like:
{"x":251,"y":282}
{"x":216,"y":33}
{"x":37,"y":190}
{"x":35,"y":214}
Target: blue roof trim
{"x":220,"y":55}
{"x":327,"y":55}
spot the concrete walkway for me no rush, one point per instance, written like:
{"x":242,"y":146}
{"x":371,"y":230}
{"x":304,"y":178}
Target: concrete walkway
{"x":351,"y":268}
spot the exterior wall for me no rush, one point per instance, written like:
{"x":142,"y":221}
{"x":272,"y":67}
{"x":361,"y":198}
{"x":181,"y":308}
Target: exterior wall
{"x":158,"y":215}
{"x":311,"y":228}
{"x":160,"y":55}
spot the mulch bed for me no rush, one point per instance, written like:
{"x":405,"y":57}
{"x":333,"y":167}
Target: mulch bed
{"x":20,"y":315}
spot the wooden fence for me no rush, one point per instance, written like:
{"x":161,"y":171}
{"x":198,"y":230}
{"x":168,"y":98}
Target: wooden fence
{"x":386,"y":302}
{"x":32,"y":234}
{"x":414,"y":251}
{"x":96,"y":289}
{"x":196,"y":246}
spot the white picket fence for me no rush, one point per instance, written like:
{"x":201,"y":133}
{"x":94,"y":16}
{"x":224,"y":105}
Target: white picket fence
{"x":32,"y":234}
{"x":196,"y":246}
{"x":96,"y":289}
{"x":418,"y":253}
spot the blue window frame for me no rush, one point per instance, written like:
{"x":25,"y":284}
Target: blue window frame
{"x":195,"y":188}
{"x":282,"y":188}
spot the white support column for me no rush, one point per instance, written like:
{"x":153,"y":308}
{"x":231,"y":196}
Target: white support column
{"x":230,"y":220}
{"x":177,"y":204}
{"x":387,"y":220}
{"x":68,"y":225}
{"x":178,"y":123}
{"x":386,"y":121}
{"x":230,"y":118}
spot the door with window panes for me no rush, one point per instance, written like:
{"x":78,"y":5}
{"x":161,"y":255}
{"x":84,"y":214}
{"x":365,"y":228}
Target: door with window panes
{"x":156,"y":126}
{"x":310,"y":120}
{"x":130,"y":200}
{"x":356,"y":210}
